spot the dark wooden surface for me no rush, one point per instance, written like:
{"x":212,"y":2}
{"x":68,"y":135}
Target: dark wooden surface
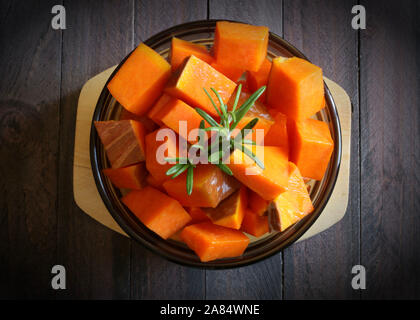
{"x":43,"y":71}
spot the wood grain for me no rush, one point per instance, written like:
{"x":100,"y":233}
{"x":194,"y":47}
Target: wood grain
{"x":262,"y":280}
{"x":390,"y":149}
{"x":153,"y":277}
{"x":320,"y":267}
{"x":29,"y":121}
{"x":99,"y":34}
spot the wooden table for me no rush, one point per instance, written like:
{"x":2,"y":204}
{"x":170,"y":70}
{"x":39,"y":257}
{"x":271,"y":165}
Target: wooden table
{"x":43,"y":70}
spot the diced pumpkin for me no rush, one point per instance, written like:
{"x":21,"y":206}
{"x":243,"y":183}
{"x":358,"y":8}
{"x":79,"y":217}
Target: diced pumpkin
{"x":268,"y":182}
{"x":175,"y":111}
{"x":131,"y":177}
{"x":151,"y":181}
{"x":258,"y":110}
{"x":147,"y":123}
{"x":257,"y":79}
{"x":140,"y":80}
{"x":254,"y":224}
{"x":181,"y":49}
{"x":311,"y":146}
{"x":277,"y":135}
{"x":295,"y":87}
{"x":257,"y":204}
{"x":160,"y":213}
{"x":230,"y":212}
{"x":123,"y":141}
{"x":241,"y":45}
{"x":197,"y":215}
{"x":292,"y":205}
{"x":189,"y":81}
{"x":160,"y":144}
{"x":230,"y":71}
{"x":211,"y":185}
{"x":212,"y":242}
{"x":157,"y":107}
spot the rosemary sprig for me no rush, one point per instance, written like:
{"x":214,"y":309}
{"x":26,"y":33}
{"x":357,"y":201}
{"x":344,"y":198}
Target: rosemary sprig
{"x":228,"y":122}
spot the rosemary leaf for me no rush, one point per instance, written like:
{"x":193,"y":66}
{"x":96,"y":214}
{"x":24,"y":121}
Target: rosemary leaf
{"x":225,"y":169}
{"x":248,"y":126}
{"x":212,"y":102}
{"x":190,"y":180}
{"x":207,"y":117}
{"x":250,"y":154}
{"x":245,"y":141}
{"x":175,"y":168}
{"x":238,"y":93}
{"x":240,"y":113}
{"x":222,"y":105}
{"x":185,"y":167}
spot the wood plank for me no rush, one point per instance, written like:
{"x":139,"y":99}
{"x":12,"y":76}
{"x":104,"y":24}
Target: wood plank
{"x":99,"y":34}
{"x":262,"y":280}
{"x":153,"y":277}
{"x":320,"y":267}
{"x":390,"y":149}
{"x":29,"y":119}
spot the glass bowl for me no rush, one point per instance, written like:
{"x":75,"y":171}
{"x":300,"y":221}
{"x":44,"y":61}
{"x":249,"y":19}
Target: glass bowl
{"x":108,"y":108}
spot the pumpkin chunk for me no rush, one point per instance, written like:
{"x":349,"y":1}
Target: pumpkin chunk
{"x":197,"y":215}
{"x":291,"y":206}
{"x":160,"y":144}
{"x":277,"y":135}
{"x":257,"y":204}
{"x":258,"y":110}
{"x":241,"y":45}
{"x":140,"y":80}
{"x":151,"y":181}
{"x":295,"y":87}
{"x":254,"y":224}
{"x":211,"y":242}
{"x":188,"y":81}
{"x":131,"y":177}
{"x":232,"y":72}
{"x":230,"y":212}
{"x":268,"y":182}
{"x":147,"y":123}
{"x":160,"y":213}
{"x":211,"y":185}
{"x":181,"y":49}
{"x":157,"y":107}
{"x":123,"y":141}
{"x":311,"y":146}
{"x":257,"y":79}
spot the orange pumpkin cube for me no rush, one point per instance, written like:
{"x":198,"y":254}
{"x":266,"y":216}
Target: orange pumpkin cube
{"x":140,"y":80}
{"x":257,"y":204}
{"x":257,"y":79}
{"x":181,"y":49}
{"x":268,"y":182}
{"x":210,"y":186}
{"x":231,"y":211}
{"x":189,"y":81}
{"x":176,"y":111}
{"x":147,"y":123}
{"x":311,"y":146}
{"x":254,"y":224}
{"x":295,"y":87}
{"x":277,"y":135}
{"x":160,"y":144}
{"x":160,"y":213}
{"x":299,"y":192}
{"x":240,"y":45}
{"x":131,"y":177}
{"x":197,"y":215}
{"x":151,"y":181}
{"x":159,"y":106}
{"x":212,"y":242}
{"x":123,"y":141}
{"x":230,"y":71}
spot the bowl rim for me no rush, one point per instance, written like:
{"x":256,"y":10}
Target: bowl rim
{"x":96,"y":170}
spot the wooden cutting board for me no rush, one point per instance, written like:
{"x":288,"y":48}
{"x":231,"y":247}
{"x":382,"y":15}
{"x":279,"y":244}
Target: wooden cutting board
{"x":87,"y":196}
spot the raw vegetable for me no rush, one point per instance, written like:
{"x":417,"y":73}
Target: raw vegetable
{"x":295,"y":87}
{"x":230,"y":212}
{"x":131,"y":177}
{"x":311,"y":146}
{"x":160,"y":213}
{"x":188,"y":81}
{"x":211,"y":242}
{"x":147,"y":123}
{"x":240,"y":45}
{"x":257,"y":79}
{"x":254,"y":224}
{"x":257,"y":204}
{"x":181,"y":49}
{"x":157,"y":107}
{"x":123,"y":141}
{"x":197,"y":215}
{"x":230,"y":71}
{"x":277,"y":135}
{"x":140,"y":80}
{"x":211,"y":185}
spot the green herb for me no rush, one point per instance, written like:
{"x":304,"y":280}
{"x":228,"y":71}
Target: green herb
{"x":228,"y":122}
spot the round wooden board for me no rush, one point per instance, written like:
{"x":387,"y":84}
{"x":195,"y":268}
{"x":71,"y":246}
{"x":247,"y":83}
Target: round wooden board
{"x":87,"y":196}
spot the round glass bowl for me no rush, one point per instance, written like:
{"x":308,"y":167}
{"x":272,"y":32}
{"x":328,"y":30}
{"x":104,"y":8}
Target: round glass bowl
{"x":108,"y":108}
